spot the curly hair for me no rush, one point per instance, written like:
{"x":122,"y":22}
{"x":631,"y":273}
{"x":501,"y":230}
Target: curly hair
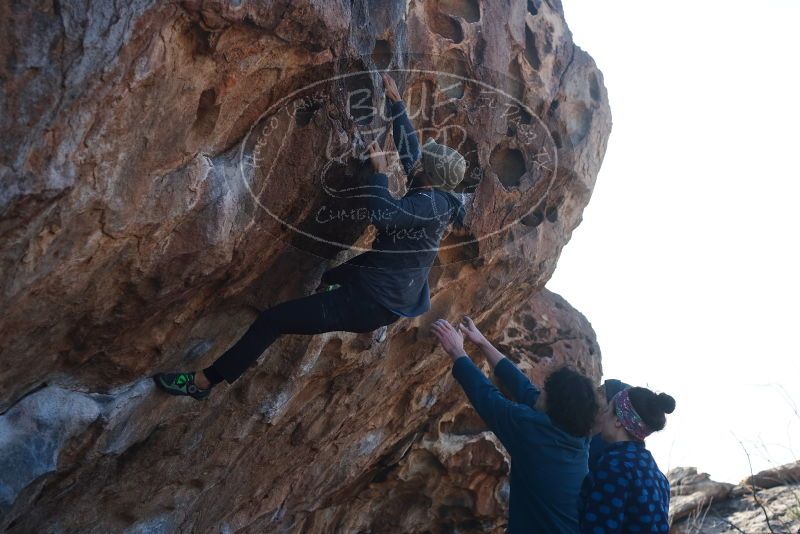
{"x":571,"y":401}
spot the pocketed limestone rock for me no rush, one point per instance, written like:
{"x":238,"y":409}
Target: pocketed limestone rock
{"x":164,"y":168}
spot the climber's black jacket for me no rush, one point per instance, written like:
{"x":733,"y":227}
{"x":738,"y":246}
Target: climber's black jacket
{"x":395,"y":271}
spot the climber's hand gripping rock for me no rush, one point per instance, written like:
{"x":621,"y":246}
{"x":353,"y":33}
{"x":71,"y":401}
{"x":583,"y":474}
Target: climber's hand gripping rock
{"x":470,"y":331}
{"x":451,"y":339}
{"x":391,"y":88}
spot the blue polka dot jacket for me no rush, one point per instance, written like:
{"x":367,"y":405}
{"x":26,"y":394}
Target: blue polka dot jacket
{"x":625,"y":492}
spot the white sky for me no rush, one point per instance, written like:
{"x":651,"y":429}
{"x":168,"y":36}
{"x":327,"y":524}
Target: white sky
{"x":687,"y":261}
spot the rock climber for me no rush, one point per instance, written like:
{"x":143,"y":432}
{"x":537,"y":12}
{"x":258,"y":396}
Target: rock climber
{"x":625,"y":491}
{"x":545,"y":433}
{"x":375,"y":288}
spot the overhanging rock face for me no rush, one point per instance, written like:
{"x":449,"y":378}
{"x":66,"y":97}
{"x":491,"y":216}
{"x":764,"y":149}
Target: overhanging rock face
{"x":169,"y":168}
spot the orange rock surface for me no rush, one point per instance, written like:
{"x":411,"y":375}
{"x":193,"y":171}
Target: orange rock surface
{"x":168,"y":169}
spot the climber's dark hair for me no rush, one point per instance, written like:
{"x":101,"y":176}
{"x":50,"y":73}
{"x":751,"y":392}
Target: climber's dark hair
{"x":652,"y":407}
{"x":571,"y":401}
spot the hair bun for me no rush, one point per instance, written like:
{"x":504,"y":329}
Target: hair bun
{"x":665,"y":402}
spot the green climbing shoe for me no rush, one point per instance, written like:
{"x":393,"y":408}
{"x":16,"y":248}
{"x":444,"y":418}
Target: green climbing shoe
{"x":180,"y":384}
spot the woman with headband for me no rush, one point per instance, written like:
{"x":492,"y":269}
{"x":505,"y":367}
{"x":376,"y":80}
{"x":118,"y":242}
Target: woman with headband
{"x":625,"y":491}
{"x":606,"y":391}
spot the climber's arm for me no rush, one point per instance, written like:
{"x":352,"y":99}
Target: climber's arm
{"x":497,"y":412}
{"x":411,"y":211}
{"x":405,"y":137}
{"x":518,"y":385}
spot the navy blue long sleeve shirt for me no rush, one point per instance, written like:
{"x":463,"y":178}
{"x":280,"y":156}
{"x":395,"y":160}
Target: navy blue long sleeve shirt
{"x":547,"y":464}
{"x":625,"y":492}
{"x":405,"y":137}
{"x":409,"y":229}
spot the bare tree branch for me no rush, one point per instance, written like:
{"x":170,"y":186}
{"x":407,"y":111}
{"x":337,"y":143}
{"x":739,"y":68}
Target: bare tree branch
{"x":753,"y":487}
{"x":729,"y":523}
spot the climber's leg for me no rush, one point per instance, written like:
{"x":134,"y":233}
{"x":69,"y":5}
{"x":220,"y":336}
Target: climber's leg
{"x":340,"y":275}
{"x":343,"y":309}
{"x":334,"y":278}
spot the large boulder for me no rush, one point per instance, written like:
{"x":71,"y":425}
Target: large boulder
{"x":164,"y":166}
{"x":776,"y":476}
{"x":698,"y":504}
{"x":691,"y":492}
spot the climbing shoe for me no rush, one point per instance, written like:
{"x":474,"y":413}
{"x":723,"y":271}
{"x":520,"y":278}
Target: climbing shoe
{"x":180,"y":384}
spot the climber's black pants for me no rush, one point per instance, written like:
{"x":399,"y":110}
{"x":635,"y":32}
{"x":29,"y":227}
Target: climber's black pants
{"x":346,"y":309}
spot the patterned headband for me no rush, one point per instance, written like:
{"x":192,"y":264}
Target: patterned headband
{"x":631,"y":421}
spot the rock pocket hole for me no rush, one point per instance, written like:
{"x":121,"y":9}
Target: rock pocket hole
{"x":201,"y":40}
{"x":557,"y":139}
{"x":468,"y":10}
{"x":518,"y":115}
{"x":543,"y":351}
{"x":207,"y":113}
{"x":455,"y":64}
{"x":534,"y":219}
{"x":531,"y":52}
{"x":509,"y":165}
{"x":447,"y":27}
{"x":480,"y":50}
{"x":516,"y":81}
{"x":579,"y":124}
{"x":360,"y":94}
{"x":305,"y":112}
{"x":552,"y":214}
{"x":533,"y":6}
{"x":594,"y":88}
{"x":382,"y":54}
